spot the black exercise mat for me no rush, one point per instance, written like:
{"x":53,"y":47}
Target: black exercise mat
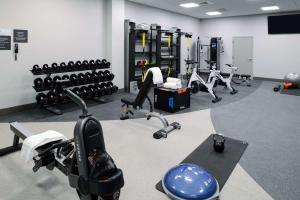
{"x":295,"y":92}
{"x":219,"y":165}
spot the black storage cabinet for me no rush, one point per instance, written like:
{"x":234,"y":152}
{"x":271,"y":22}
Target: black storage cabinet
{"x":171,"y":100}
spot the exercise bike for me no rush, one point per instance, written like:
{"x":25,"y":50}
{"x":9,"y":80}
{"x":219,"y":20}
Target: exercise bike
{"x":196,"y":83}
{"x":216,"y":74}
{"x":83,"y":159}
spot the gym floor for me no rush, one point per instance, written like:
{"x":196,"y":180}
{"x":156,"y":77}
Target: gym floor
{"x":268,"y":121}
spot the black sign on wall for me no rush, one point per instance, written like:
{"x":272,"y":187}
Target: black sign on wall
{"x":5,"y":42}
{"x":20,"y":36}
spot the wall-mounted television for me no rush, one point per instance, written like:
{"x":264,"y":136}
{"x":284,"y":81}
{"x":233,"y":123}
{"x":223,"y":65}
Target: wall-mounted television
{"x":284,"y":24}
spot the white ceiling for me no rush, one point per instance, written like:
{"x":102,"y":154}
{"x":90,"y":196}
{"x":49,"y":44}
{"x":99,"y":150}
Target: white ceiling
{"x":228,"y":7}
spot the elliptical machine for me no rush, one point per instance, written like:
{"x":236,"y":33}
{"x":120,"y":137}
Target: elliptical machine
{"x":90,"y":169}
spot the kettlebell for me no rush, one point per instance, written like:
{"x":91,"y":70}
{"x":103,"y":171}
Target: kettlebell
{"x":219,"y":143}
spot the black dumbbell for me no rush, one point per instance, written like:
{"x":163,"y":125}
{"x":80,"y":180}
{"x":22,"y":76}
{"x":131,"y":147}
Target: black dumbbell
{"x":78,"y":65}
{"x":71,"y":66}
{"x":102,"y":90}
{"x":38,"y":83}
{"x":89,"y":77}
{"x":95,"y":77}
{"x":81,"y":78}
{"x":105,"y":90}
{"x":57,"y":81}
{"x":65,"y":77}
{"x":46,"y":69}
{"x":111,"y":77}
{"x":91,"y":91}
{"x":92,"y":64}
{"x":115,"y":89}
{"x":85,"y":65}
{"x":55,"y":67}
{"x":99,"y":90}
{"x":112,"y":87}
{"x":101,"y":76}
{"x":98,"y":64}
{"x":52,"y":98}
{"x":60,"y":96}
{"x":84,"y":92}
{"x":105,"y":63}
{"x":48,"y":83}
{"x":106,"y":75}
{"x":109,"y":84}
{"x":74,"y":79}
{"x":62,"y":67}
{"x":65,"y":80}
{"x":65,"y":98}
{"x":96,"y":90}
{"x":41,"y":99}
{"x":36,"y":70}
{"x":76,"y":90}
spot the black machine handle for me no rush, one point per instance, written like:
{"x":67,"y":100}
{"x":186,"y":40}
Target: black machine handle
{"x":78,"y":101}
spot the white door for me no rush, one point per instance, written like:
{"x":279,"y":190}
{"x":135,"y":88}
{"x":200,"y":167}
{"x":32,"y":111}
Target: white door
{"x":242,"y":54}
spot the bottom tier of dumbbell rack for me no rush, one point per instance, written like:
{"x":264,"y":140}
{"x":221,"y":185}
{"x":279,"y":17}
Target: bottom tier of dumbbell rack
{"x":53,"y":108}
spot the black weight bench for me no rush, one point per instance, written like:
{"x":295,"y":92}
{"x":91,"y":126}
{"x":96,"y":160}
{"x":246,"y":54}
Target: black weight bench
{"x":136,"y":105}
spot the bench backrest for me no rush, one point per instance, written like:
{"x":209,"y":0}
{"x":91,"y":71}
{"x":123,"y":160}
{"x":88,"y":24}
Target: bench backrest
{"x":144,"y":90}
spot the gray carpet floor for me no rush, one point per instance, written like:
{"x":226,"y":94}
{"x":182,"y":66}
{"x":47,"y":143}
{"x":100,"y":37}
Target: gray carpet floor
{"x":270,"y":123}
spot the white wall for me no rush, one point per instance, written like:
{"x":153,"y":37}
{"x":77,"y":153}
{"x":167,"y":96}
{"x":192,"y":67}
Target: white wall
{"x":59,"y":30}
{"x":274,"y":55}
{"x":115,"y":12}
{"x":149,"y":15}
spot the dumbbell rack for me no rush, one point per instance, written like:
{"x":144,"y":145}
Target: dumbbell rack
{"x":59,"y":85}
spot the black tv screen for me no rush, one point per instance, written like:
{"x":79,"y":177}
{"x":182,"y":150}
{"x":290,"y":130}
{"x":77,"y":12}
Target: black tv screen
{"x":284,"y":24}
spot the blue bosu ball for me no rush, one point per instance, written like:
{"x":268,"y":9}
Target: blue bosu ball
{"x":190,"y":182}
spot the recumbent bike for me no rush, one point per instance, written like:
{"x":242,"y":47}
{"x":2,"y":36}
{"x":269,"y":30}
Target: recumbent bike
{"x":83,"y":159}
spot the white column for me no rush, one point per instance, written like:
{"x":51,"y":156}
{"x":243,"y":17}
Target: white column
{"x":115,"y":38}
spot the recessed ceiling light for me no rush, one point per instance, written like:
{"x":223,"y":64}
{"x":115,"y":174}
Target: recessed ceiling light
{"x":213,"y":13}
{"x":268,"y":8}
{"x":189,"y":5}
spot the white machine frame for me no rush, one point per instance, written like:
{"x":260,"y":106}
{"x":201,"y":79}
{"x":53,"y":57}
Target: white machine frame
{"x":216,"y":75}
{"x":195,"y":80}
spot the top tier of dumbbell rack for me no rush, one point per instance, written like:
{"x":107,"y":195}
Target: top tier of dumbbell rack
{"x":67,"y":84}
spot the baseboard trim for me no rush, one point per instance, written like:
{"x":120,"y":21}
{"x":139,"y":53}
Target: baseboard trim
{"x":121,"y":90}
{"x":268,"y":79}
{"x":20,"y":108}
